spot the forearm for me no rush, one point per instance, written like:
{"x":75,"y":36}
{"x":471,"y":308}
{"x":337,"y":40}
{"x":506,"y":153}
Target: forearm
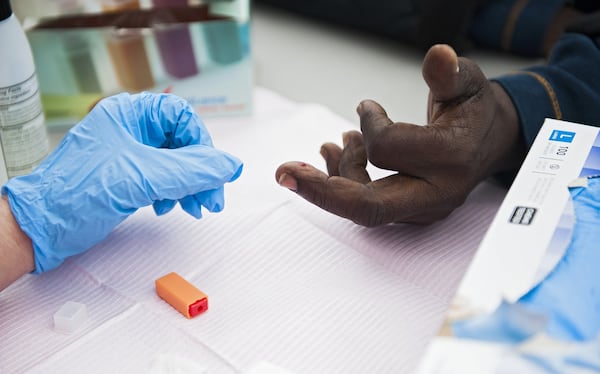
{"x":16,"y":250}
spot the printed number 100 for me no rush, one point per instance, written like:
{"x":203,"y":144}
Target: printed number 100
{"x":562,"y":151}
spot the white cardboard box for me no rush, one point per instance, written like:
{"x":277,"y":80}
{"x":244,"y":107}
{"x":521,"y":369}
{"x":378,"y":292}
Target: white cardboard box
{"x":526,"y":239}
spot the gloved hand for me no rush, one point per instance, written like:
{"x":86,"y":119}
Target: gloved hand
{"x":130,"y":151}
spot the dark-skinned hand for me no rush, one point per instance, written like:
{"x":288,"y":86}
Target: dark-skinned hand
{"x":472,"y":133}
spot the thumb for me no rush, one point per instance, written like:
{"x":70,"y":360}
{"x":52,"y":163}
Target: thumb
{"x":175,"y":173}
{"x":449,"y":77}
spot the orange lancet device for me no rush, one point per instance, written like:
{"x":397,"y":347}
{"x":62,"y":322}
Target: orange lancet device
{"x":182,"y":295}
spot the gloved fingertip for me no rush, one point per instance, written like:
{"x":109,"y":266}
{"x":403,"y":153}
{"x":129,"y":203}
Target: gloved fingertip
{"x":215,"y":208}
{"x":194,"y":210}
{"x":212,"y":200}
{"x":162,"y":207}
{"x":192,"y":206}
{"x":238,"y":172}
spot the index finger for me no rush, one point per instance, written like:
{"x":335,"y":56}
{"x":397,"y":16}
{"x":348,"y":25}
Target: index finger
{"x":337,"y":195}
{"x":397,"y":198}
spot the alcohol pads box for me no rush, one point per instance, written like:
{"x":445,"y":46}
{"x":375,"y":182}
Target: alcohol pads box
{"x":526,"y":239}
{"x":200,"y":52}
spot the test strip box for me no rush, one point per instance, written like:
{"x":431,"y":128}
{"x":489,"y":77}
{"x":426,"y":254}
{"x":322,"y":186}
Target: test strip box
{"x":530,"y":234}
{"x":181,"y":295}
{"x":199,"y":51}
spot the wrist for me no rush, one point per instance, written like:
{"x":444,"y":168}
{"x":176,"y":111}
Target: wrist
{"x":16,"y":249}
{"x":510,"y":143}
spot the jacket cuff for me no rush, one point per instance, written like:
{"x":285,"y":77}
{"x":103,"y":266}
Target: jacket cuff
{"x":533,"y":98}
{"x":517,"y":26}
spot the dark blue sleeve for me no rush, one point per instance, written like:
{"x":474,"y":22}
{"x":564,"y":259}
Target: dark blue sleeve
{"x":515,"y":26}
{"x":566,"y":88}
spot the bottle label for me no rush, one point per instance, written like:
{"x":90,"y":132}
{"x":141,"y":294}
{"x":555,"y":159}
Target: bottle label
{"x":23,"y":138}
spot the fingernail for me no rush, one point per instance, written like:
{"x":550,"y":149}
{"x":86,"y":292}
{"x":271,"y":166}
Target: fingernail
{"x":324,"y":153}
{"x":345,"y":139}
{"x":455,"y":60}
{"x":359,"y":108}
{"x":288,"y":182}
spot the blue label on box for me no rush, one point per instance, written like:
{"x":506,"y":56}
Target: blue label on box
{"x":562,"y":136}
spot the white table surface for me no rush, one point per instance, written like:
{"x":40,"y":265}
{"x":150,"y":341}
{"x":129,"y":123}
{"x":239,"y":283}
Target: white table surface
{"x":288,"y":283}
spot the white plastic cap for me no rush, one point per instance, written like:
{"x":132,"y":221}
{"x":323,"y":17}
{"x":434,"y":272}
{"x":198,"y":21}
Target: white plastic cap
{"x":70,"y":317}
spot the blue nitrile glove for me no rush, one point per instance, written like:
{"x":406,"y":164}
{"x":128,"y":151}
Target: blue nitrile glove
{"x":130,"y":151}
{"x":509,"y":323}
{"x":568,"y":298}
{"x":554,"y":356}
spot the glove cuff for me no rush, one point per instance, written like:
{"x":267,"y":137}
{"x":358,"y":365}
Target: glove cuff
{"x":24,"y":201}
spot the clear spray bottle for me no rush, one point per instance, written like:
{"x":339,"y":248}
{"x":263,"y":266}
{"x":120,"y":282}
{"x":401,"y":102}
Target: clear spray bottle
{"x":23,"y":136}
